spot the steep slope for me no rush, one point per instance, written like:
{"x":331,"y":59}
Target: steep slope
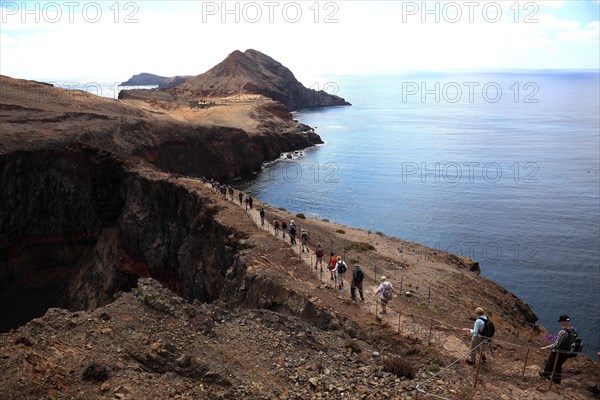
{"x":256,"y":73}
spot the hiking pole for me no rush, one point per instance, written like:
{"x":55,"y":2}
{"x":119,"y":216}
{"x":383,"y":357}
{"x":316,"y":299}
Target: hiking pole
{"x":557,"y":354}
{"x":478,"y":365}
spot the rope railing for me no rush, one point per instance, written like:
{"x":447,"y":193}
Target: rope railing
{"x":419,"y":386}
{"x":281,"y":254}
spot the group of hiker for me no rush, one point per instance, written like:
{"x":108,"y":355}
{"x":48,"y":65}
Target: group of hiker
{"x":228,"y":191}
{"x":567,"y":343}
{"x":337,"y":270}
{"x":280,"y":225}
{"x":336,"y":265}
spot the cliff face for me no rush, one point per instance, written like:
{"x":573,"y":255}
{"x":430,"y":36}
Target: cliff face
{"x":77,"y":226}
{"x":257,"y":73}
{"x":87,"y":205}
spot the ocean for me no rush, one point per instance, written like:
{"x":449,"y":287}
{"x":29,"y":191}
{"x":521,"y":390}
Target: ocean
{"x":500,"y":167}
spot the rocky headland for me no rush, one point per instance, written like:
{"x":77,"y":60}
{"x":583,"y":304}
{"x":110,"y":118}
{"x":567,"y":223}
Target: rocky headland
{"x":146,"y":79}
{"x":123,"y":275}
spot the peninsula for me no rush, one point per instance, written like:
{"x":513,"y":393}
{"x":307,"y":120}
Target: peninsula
{"x":124,"y":275}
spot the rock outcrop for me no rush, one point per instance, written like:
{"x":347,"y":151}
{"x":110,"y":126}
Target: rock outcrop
{"x":256,"y":73}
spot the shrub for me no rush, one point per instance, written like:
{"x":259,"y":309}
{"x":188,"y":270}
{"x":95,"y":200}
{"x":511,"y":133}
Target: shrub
{"x":359,"y":246}
{"x":325,"y":220}
{"x":434,"y":368}
{"x":340,"y":231}
{"x":282,"y":209}
{"x":301,"y":216}
{"x":380,"y":233}
{"x":401,"y":367}
{"x":353,"y":261}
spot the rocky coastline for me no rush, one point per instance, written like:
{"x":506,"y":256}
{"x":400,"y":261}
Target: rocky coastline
{"x":123,"y":275}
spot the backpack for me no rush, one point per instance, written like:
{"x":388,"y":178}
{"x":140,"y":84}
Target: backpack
{"x":319,"y":252}
{"x":341,"y":267}
{"x":359,"y":276}
{"x":293,"y":230}
{"x":332,"y":262}
{"x":574,"y":343}
{"x":488,"y":329}
{"x":388,"y":292}
{"x":283,"y":225}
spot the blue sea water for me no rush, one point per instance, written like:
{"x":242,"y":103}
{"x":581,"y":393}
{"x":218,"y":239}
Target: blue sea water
{"x":503,"y":167}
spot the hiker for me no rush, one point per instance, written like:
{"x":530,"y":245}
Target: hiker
{"x":241,"y":198}
{"x":319,"y":253}
{"x":246,"y":201}
{"x":477,"y":338}
{"x":357,"y":283}
{"x":385,"y":292}
{"x":250,"y":200}
{"x":304,"y":237}
{"x":340,"y":270}
{"x":276,"y":226}
{"x":560,"y":349}
{"x":292,"y":232}
{"x":331,"y":265}
{"x":283,"y":226}
{"x":262,"y":216}
{"x":230,"y":193}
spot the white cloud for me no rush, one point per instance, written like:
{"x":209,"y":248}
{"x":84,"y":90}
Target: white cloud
{"x":178,"y":38}
{"x":551,"y":3}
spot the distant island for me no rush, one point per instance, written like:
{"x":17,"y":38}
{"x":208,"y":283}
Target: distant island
{"x":163,"y":82}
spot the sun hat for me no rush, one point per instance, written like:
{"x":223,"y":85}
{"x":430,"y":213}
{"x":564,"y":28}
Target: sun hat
{"x":383,"y":278}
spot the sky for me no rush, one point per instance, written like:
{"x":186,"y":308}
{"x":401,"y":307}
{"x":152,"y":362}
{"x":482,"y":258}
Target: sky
{"x":108,"y":41}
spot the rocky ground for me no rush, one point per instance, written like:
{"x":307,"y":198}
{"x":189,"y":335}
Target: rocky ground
{"x":257,"y":344}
